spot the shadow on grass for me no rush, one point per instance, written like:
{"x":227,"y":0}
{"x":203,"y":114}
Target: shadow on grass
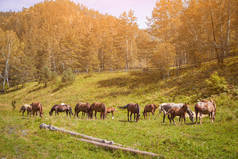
{"x":114,"y":94}
{"x":38,"y":87}
{"x":186,"y":81}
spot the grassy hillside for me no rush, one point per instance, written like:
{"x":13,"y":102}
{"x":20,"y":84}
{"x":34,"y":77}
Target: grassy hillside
{"x":20,"y":137}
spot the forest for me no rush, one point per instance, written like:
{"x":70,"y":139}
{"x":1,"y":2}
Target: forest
{"x":51,"y":37}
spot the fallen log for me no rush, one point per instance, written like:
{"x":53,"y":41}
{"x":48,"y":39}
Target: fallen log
{"x":53,"y":128}
{"x":100,"y":142}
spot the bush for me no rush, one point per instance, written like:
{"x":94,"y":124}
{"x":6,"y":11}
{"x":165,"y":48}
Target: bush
{"x":216,"y":84}
{"x":47,"y":75}
{"x":68,"y":76}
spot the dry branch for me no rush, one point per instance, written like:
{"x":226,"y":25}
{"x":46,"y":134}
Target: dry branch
{"x":100,"y":142}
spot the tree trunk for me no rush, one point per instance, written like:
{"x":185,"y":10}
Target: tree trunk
{"x":127,"y":51}
{"x":219,"y":59}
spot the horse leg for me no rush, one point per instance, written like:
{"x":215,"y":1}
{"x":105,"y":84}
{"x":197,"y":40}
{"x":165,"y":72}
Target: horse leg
{"x":173,"y":116}
{"x":95,"y":114}
{"x":213,"y":116}
{"x":23,"y":112}
{"x":184,"y":119}
{"x":128,"y":115}
{"x":169,"y":119}
{"x":134,"y":116}
{"x":196,"y":112}
{"x":164,"y":118}
{"x":112,"y":115}
{"x":200,"y":118}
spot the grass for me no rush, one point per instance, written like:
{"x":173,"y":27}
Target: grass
{"x":20,"y":136}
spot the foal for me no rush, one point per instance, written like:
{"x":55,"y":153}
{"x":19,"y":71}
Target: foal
{"x":110,"y":110}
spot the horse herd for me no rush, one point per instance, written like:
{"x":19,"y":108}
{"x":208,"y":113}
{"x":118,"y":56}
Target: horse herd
{"x":168,"y":109}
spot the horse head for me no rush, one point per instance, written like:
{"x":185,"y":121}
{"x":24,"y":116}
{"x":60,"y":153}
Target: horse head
{"x":191,"y":115}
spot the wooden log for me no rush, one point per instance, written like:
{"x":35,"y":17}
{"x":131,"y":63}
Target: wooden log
{"x":53,"y":128}
{"x":127,"y":149}
{"x":100,"y":142}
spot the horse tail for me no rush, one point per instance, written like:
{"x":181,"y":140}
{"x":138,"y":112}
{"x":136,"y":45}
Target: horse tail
{"x":41,"y":110}
{"x":123,"y":107}
{"x":21,"y":109}
{"x":214,"y":104}
{"x":138,"y":108}
{"x":75,"y":108}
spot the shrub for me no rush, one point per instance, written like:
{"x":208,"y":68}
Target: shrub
{"x":68,"y":76}
{"x":216,"y":84}
{"x":47,"y":75}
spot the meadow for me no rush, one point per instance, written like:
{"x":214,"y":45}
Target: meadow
{"x":20,"y":136}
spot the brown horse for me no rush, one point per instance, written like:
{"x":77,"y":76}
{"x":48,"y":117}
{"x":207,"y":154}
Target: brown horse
{"x":110,"y":110}
{"x":149,"y":108}
{"x":37,"y":107}
{"x":61,"y":108}
{"x":132,"y":108}
{"x":205,"y":107}
{"x":26,"y":107}
{"x":176,"y":111}
{"x":97,"y":107}
{"x":82,"y":107}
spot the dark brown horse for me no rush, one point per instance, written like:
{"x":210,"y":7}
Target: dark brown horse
{"x":177,"y":111}
{"x":133,"y":109}
{"x":37,"y":107}
{"x":61,"y":108}
{"x":97,"y":107}
{"x":205,"y":107}
{"x":149,"y":108}
{"x":82,"y":107}
{"x":26,"y":107}
{"x":110,"y":110}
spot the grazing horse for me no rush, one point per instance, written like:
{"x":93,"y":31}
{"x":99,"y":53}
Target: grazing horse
{"x":37,"y":107}
{"x":205,"y":107}
{"x":97,"y":107}
{"x":133,"y":108}
{"x":61,"y":108}
{"x":177,"y":111}
{"x":110,"y":110}
{"x":26,"y":107}
{"x":164,"y":107}
{"x":149,"y":108}
{"x":82,"y":107}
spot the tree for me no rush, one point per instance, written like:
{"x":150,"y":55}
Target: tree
{"x":10,"y":48}
{"x":163,"y":58}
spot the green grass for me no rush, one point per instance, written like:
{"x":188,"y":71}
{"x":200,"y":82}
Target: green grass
{"x":20,"y":137}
